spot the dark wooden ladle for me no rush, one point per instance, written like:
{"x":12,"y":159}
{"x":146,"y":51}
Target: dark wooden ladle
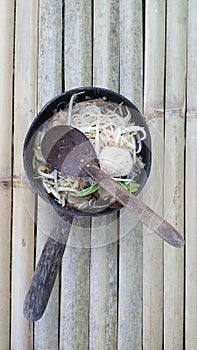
{"x":68,"y":150}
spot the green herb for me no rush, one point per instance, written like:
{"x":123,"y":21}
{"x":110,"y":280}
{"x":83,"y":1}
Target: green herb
{"x":130,"y":186}
{"x":87,"y":191}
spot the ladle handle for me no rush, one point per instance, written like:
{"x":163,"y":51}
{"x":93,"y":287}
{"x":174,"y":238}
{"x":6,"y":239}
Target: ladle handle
{"x":150,"y":218}
{"x":46,"y":271}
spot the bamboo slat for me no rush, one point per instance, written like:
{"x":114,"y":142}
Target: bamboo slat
{"x":75,"y":287}
{"x":154,"y":113}
{"x":191,"y":207}
{"x":153,"y":247}
{"x":104,"y":234}
{"x":50,"y":50}
{"x":174,"y":170}
{"x":49,"y":85}
{"x":190,"y":183}
{"x":131,"y":50}
{"x":130,"y":282}
{"x":74,"y":322}
{"x":6,"y":73}
{"x":77,"y":43}
{"x":97,"y":304}
{"x":23,"y":199}
{"x":103,"y":287}
{"x":47,"y":328}
{"x":131,"y":241}
{"x":106,"y":41}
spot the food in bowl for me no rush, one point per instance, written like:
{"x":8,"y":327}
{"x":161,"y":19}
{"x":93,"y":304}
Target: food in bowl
{"x":117,"y":141}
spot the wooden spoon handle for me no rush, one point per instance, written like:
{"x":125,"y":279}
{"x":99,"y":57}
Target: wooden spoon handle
{"x":150,"y":218}
{"x":46,"y":271}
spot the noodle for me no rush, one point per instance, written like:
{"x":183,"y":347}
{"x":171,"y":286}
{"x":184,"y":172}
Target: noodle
{"x":106,"y":124}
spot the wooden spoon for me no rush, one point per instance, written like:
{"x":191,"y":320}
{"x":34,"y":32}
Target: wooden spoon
{"x":69,"y":151}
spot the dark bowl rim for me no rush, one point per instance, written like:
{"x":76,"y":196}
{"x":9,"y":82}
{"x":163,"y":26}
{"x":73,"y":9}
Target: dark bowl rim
{"x":38,"y":121}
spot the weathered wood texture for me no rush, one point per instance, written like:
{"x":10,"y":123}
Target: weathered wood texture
{"x":153,"y":194}
{"x":119,"y":287}
{"x":174,"y":170}
{"x":25,"y":80}
{"x":6,"y":73}
{"x":46,"y":330}
{"x":74,"y":310}
{"x":130,"y":303}
{"x":131,"y":50}
{"x":130,"y":282}
{"x":106,"y":44}
{"x":77,"y":43}
{"x":49,"y":85}
{"x":191,"y":183}
{"x":103,"y":272}
{"x":74,"y":321}
{"x":103,"y":283}
{"x":46,"y":271}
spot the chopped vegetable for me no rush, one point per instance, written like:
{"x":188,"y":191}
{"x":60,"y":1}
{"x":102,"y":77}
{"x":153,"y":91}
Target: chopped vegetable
{"x":130,"y":186}
{"x":87,"y":191}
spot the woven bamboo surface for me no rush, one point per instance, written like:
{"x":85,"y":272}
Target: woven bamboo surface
{"x":120,"y":286}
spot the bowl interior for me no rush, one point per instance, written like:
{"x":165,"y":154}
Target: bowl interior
{"x":60,"y":102}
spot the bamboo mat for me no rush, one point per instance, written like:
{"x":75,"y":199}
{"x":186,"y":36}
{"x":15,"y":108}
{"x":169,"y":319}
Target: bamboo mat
{"x":120,"y":287}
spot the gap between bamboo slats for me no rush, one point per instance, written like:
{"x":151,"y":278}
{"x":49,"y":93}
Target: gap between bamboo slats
{"x":154,"y":113}
{"x":174,"y":171}
{"x":104,"y":233}
{"x":131,"y":235}
{"x":6,"y":73}
{"x":75,"y":288}
{"x":49,"y":85}
{"x":191,"y":183}
{"x":25,"y":80}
